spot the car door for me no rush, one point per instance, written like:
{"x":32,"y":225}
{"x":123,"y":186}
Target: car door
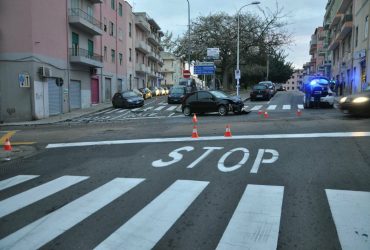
{"x":206,"y":102}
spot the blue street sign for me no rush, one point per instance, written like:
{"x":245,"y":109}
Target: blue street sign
{"x":204,"y":70}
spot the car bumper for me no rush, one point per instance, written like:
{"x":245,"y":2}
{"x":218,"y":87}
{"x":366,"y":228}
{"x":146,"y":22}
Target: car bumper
{"x":174,"y":99}
{"x":325,"y":99}
{"x":236,"y":106}
{"x":135,"y":104}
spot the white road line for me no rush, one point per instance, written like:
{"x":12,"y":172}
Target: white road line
{"x":300,"y":106}
{"x":102,"y":112}
{"x":122,"y":110}
{"x":285,"y":107}
{"x":35,"y":194}
{"x":351,"y":214}
{"x":256,"y":220}
{"x":159,"y":108}
{"x":45,"y":229}
{"x":171,"y":108}
{"x":15,"y":181}
{"x":148,"y":108}
{"x":120,"y":116}
{"x":111,"y":111}
{"x":172,"y":114}
{"x":271,"y":107}
{"x":212,"y":138}
{"x":149,"y":225}
{"x":257,"y":107}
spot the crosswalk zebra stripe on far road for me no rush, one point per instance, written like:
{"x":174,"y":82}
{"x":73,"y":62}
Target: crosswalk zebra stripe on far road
{"x":351,"y":214}
{"x":256,"y":220}
{"x":149,"y":225}
{"x":32,"y":195}
{"x":4,"y":184}
{"x":257,"y":107}
{"x":171,"y":108}
{"x":300,"y":106}
{"x":271,"y":107}
{"x":286,"y":107}
{"x":159,"y":108}
{"x":45,"y":229}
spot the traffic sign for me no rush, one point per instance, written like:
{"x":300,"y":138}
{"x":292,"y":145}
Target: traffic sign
{"x":237,"y":74}
{"x":186,"y":73}
{"x":204,"y":70}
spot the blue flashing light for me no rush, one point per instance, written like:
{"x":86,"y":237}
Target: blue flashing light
{"x":314,"y":82}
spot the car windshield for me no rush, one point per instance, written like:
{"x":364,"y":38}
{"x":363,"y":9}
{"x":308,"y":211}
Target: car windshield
{"x":129,"y":94}
{"x":266,"y":83}
{"x":259,"y":87}
{"x":219,"y":94}
{"x":321,"y":81}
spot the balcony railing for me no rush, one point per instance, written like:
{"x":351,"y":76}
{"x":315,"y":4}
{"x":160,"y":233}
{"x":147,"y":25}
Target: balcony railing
{"x":86,"y":54}
{"x":85,"y":16}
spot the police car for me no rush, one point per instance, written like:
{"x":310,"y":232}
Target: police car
{"x":317,"y":91}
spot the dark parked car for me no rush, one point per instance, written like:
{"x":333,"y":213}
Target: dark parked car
{"x":127,"y":99}
{"x":211,"y":101}
{"x":271,"y":86}
{"x":146,"y":93}
{"x":260,"y":91}
{"x":357,"y":104}
{"x":177,"y":94}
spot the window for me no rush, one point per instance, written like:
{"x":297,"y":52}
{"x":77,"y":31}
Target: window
{"x":120,"y":9}
{"x":137,"y":57}
{"x":112,"y":4}
{"x":111,"y":29}
{"x":90,"y":50}
{"x":113,"y":53}
{"x":292,"y":88}
{"x":366,"y":26}
{"x":120,"y":58}
{"x":105,"y":24}
{"x":204,"y":96}
{"x":105,"y":54}
{"x":129,"y":29}
{"x":130,"y":54}
{"x":356,"y":38}
{"x":120,"y":34}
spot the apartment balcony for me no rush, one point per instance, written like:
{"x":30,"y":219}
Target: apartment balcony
{"x":168,"y":70}
{"x":85,"y":22}
{"x":334,"y":42}
{"x":96,"y":1}
{"x":142,"y":23}
{"x":346,"y":26}
{"x":85,"y":57}
{"x":336,"y":20}
{"x":313,"y":44}
{"x":143,"y":47}
{"x":154,"y":39}
{"x":344,"y":6}
{"x":152,"y":56}
{"x":141,"y":68}
{"x":322,"y":52}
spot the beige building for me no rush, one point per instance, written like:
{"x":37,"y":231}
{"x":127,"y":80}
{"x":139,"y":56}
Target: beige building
{"x":295,"y":81}
{"x":172,"y":69}
{"x":317,"y":52}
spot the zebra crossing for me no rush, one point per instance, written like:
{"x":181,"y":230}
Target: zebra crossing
{"x":254,"y":224}
{"x":273,"y":107}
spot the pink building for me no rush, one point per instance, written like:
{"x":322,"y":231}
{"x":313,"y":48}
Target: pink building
{"x":317,"y":52}
{"x":71,"y":54}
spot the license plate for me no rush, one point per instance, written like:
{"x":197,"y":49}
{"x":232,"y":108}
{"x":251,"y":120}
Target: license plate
{"x":259,"y":95}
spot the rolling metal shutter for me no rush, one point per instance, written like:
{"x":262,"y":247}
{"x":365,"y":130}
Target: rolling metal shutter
{"x":75,"y":94}
{"x":55,"y":98}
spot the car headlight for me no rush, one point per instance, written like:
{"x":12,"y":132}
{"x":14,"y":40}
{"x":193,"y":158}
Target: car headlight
{"x":343,"y":99}
{"x":361,"y":99}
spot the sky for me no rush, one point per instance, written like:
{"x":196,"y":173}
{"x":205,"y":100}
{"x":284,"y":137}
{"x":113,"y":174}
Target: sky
{"x":303,"y":16}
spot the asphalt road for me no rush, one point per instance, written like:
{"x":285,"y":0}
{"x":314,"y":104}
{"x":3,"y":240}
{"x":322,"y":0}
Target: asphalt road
{"x":282,"y":182}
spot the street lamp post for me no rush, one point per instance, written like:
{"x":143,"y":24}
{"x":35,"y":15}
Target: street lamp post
{"x":237,"y":75}
{"x":188,"y":34}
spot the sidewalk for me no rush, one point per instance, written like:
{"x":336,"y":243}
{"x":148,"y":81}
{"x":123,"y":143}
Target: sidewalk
{"x":62,"y":117}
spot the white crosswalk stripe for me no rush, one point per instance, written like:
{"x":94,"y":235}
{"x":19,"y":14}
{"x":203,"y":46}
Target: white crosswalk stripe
{"x":257,"y":107}
{"x":286,"y":107}
{"x":351,"y":214}
{"x":159,"y":108}
{"x":256,"y":220}
{"x":271,"y":107}
{"x":148,"y":226}
{"x":171,"y":108}
{"x":300,"y":106}
{"x":15,"y":181}
{"x":45,"y":229}
{"x":37,"y":193}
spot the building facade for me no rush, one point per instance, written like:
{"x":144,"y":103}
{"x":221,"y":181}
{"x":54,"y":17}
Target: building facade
{"x":295,"y":81}
{"x":172,"y":69}
{"x":74,"y":55}
{"x":317,"y":51}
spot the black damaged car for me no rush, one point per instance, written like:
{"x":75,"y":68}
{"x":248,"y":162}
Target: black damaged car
{"x":211,"y":101}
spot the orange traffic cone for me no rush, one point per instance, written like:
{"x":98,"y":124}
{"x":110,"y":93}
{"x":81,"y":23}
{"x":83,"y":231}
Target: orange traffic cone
{"x":260,"y":112}
{"x":195,"y":120}
{"x":299,"y":112}
{"x":266,"y":115}
{"x":195,"y":132}
{"x":228,"y":131}
{"x":7,"y":146}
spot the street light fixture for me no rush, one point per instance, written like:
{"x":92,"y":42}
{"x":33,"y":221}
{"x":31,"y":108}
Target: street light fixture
{"x":237,"y":73}
{"x":188,"y":34}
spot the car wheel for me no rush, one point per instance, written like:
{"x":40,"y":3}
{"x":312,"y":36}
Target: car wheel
{"x":187,"y":111}
{"x":114,"y":106}
{"x":222,"y":110}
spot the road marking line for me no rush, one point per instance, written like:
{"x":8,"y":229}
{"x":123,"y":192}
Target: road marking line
{"x":159,"y":108}
{"x":286,"y":107}
{"x":300,"y":106}
{"x":271,"y":107}
{"x":211,"y":138}
{"x":120,"y":116}
{"x":123,"y":110}
{"x":149,"y":225}
{"x":35,"y":194}
{"x":256,"y":220}
{"x":136,"y":109}
{"x":351,"y":214}
{"x":4,"y":184}
{"x":171,"y":108}
{"x":171,"y":114}
{"x":45,"y":229}
{"x":257,"y":107}
{"x":8,"y":135}
{"x":111,"y":111}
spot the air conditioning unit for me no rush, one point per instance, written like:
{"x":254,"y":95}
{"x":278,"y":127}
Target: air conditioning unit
{"x":45,"y":72}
